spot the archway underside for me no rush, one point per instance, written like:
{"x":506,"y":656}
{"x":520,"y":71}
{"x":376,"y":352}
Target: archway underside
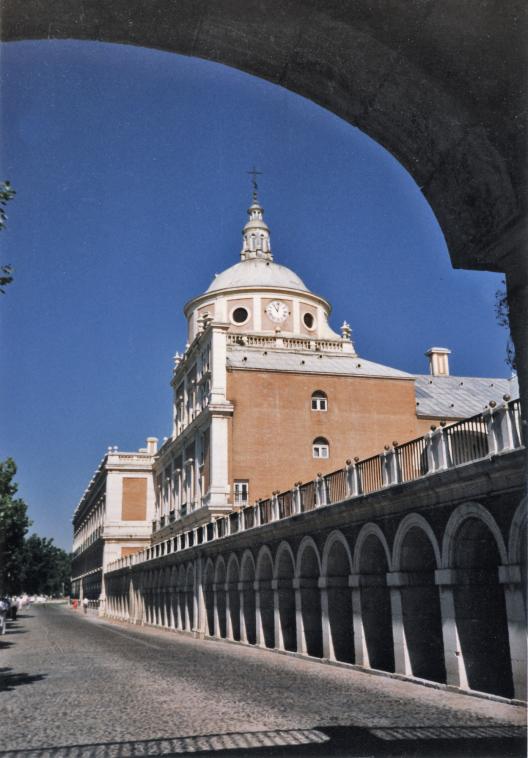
{"x":440,"y":86}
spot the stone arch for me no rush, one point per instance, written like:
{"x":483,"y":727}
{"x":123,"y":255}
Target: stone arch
{"x":307,"y":575}
{"x":413,"y":521}
{"x":209,"y":595}
{"x":335,"y":537}
{"x":365,"y":532}
{"x":474,"y":549}
{"x":416,"y":557}
{"x":284,"y":572}
{"x":248,"y":605}
{"x":516,"y":539}
{"x":307,"y":542}
{"x":266,"y":608}
{"x":457,"y":135}
{"x":462,"y":150}
{"x":459,"y":515}
{"x":233,"y":598}
{"x":372,"y":561}
{"x":221,"y":602}
{"x":336,"y":567}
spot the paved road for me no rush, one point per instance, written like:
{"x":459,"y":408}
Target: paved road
{"x":115,"y":690}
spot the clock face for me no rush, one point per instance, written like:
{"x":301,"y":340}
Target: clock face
{"x":277,"y":311}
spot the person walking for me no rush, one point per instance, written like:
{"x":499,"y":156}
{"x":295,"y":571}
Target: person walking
{"x":85,"y":604}
{"x":4,"y":609}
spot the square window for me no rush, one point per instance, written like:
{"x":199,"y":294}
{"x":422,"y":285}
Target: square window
{"x":241,"y":491}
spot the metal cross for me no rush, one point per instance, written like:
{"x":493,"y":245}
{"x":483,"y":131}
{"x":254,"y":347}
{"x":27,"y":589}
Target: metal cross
{"x":254,"y":174}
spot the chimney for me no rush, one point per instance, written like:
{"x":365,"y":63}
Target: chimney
{"x":152,"y":445}
{"x":438,"y":361}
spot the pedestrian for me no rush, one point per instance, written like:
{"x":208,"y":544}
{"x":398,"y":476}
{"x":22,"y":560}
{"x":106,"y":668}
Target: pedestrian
{"x":75,"y":603}
{"x":85,"y":605}
{"x":4,"y":609}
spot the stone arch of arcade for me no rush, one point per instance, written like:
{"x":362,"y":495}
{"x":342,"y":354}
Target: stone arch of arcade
{"x":444,"y":101}
{"x":434,"y":593}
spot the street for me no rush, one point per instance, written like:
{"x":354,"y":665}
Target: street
{"x":74,"y":685}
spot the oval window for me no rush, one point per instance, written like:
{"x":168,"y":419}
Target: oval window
{"x":240,"y":315}
{"x":309,"y":320}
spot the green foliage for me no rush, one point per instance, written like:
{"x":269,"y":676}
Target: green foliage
{"x":34,"y":565}
{"x":7,"y":193}
{"x":47,"y":568}
{"x":502,"y":312}
{"x":14,"y":524}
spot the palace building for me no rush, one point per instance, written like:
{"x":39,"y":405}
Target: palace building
{"x":266,"y":394}
{"x":113,"y":518}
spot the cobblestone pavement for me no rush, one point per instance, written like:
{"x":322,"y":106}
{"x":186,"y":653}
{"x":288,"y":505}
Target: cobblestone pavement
{"x":114,"y":690}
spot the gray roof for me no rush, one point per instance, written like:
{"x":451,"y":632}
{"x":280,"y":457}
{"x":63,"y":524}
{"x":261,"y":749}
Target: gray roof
{"x":436,"y":396}
{"x":312,"y":363}
{"x":460,"y":396}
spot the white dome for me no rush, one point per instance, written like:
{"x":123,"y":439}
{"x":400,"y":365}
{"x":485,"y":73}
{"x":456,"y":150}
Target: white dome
{"x":257,"y":272}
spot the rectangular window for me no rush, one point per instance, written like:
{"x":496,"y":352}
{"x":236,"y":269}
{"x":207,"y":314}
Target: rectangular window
{"x":320,"y":451}
{"x":241,"y":492}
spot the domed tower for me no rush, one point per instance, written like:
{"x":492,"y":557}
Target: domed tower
{"x":265,"y":393}
{"x":263,"y":302}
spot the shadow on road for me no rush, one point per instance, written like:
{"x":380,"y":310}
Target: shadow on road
{"x":9,"y":680}
{"x":355,"y":742}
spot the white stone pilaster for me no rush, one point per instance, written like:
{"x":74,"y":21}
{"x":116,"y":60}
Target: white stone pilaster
{"x":361,"y":655}
{"x":328,"y":645}
{"x":510,"y":578}
{"x":454,"y":661}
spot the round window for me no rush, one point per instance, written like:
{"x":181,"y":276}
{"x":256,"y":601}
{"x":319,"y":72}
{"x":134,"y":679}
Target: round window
{"x":240,"y":315}
{"x":309,"y":320}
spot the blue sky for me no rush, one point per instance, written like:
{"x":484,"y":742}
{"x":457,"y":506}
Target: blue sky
{"x":130,"y":170}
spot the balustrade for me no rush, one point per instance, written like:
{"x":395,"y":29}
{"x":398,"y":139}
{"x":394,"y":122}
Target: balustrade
{"x":495,"y":431}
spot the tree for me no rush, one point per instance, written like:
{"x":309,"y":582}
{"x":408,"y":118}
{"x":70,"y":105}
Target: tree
{"x":14,"y":524}
{"x":502,"y":311}
{"x":47,"y":568}
{"x":7,"y":193}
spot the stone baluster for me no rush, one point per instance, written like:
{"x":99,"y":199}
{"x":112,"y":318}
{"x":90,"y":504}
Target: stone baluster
{"x":352,"y":479}
{"x":321,"y":495}
{"x":386,"y":466}
{"x":296,"y":498}
{"x":441,"y":448}
{"x":275,"y":506}
{"x":502,"y":430}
